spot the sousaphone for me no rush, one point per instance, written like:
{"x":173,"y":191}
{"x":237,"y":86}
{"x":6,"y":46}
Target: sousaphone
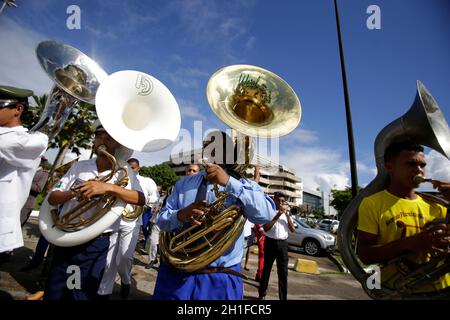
{"x":424,"y":124}
{"x":256,"y":103}
{"x":139,"y":112}
{"x":76,"y":78}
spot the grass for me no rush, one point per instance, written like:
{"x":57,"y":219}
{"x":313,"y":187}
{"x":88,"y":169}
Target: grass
{"x":39,"y":200}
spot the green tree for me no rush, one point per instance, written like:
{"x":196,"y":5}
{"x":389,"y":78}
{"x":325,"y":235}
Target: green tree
{"x":10,"y":3}
{"x":319,"y":213}
{"x":162,"y":174}
{"x":341,"y":199}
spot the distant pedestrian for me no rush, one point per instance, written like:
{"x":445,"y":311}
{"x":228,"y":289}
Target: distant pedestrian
{"x":276,"y":247}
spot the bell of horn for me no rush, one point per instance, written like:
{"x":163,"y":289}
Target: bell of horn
{"x":256,"y":103}
{"x":253,"y":101}
{"x":76,"y":78}
{"x":138,"y":111}
{"x":423,"y":123}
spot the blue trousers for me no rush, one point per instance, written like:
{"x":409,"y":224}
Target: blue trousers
{"x":90,"y":257}
{"x":41,"y":248}
{"x":146,"y":216}
{"x":175,"y":285}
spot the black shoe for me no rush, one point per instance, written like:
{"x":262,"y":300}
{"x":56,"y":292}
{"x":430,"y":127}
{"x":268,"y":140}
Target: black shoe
{"x":103,"y":296}
{"x":124,"y":291}
{"x":30,"y":266}
{"x":5,"y":256}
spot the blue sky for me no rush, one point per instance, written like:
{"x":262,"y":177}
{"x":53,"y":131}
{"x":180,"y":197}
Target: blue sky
{"x":182,"y":43}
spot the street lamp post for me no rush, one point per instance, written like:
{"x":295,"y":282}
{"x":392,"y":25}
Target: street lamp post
{"x":351,"y":143}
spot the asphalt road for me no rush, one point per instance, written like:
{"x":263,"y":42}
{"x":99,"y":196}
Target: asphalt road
{"x":330,"y":284}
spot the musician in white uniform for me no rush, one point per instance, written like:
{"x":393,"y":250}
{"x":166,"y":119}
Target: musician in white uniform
{"x":20,"y":153}
{"x":123,"y":242}
{"x":89,"y":257}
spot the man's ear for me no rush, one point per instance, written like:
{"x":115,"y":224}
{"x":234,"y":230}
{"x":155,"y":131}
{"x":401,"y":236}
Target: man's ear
{"x":19,"y":110}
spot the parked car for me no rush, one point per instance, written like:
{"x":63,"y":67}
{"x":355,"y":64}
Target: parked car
{"x":328,"y":225}
{"x":312,"y":241}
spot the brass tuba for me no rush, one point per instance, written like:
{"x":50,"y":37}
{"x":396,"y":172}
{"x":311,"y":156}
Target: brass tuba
{"x":257,"y":103}
{"x":425,"y":124}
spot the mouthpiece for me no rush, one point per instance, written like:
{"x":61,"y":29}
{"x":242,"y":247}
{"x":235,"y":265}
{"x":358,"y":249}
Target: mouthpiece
{"x":204,"y":161}
{"x":418,"y":179}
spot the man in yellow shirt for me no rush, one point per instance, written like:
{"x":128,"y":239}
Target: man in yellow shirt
{"x":395,"y":222}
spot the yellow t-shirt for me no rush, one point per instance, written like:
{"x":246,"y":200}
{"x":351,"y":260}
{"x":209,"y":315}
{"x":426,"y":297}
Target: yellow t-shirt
{"x":393,"y":218}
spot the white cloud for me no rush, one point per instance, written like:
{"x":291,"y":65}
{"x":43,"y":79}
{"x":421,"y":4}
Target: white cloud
{"x":328,"y":181}
{"x":317,"y":167}
{"x":302,"y":136}
{"x":189,"y":110}
{"x":187,"y":77}
{"x":438,"y":168}
{"x":152,"y":158}
{"x":18,"y":63}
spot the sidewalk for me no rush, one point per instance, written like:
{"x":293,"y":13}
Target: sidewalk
{"x":329,"y":284}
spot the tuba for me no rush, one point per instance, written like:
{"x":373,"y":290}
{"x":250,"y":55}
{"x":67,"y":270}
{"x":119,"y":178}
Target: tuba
{"x":256,"y":103}
{"x":76,"y":77}
{"x":154,"y":123}
{"x":425,"y":124}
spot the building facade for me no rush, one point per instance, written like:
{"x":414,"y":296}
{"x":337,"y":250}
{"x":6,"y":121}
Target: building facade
{"x":314,"y":200}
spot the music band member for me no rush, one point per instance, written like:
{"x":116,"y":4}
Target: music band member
{"x":276,"y":247}
{"x":395,"y":221}
{"x":89,"y":257}
{"x":20,"y":153}
{"x":221,"y":279}
{"x":192,"y":169}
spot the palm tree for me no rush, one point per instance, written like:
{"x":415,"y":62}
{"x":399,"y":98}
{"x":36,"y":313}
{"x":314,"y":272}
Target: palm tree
{"x":10,"y":3}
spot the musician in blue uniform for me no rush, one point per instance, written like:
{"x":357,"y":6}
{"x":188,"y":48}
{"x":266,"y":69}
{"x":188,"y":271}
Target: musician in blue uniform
{"x":221,"y":279}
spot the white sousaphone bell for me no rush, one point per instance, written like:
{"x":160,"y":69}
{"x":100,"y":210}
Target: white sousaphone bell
{"x":138,"y":111}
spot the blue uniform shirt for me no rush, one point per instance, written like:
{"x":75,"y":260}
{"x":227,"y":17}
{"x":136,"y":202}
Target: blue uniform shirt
{"x":257,"y":206}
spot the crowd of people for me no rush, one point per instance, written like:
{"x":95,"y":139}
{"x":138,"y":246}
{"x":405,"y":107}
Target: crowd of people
{"x":391,"y":223}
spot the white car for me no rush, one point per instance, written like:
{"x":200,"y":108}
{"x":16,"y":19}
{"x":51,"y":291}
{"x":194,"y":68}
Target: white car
{"x":328,"y":225}
{"x":312,"y":241}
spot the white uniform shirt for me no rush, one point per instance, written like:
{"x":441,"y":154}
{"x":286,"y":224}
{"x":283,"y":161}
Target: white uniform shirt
{"x":150,"y":190}
{"x":20,"y":154}
{"x":280,"y":229}
{"x":248,"y":226}
{"x":86,"y":170}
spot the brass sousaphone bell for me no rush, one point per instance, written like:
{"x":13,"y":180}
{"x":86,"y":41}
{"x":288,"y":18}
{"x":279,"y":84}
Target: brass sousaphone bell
{"x":425,"y":124}
{"x":256,"y":103}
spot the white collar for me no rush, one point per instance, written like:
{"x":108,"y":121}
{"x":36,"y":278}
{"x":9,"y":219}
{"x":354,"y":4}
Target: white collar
{"x":4,"y":130}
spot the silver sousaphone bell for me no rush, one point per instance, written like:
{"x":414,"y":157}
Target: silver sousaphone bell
{"x":76,"y":78}
{"x":425,"y":124}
